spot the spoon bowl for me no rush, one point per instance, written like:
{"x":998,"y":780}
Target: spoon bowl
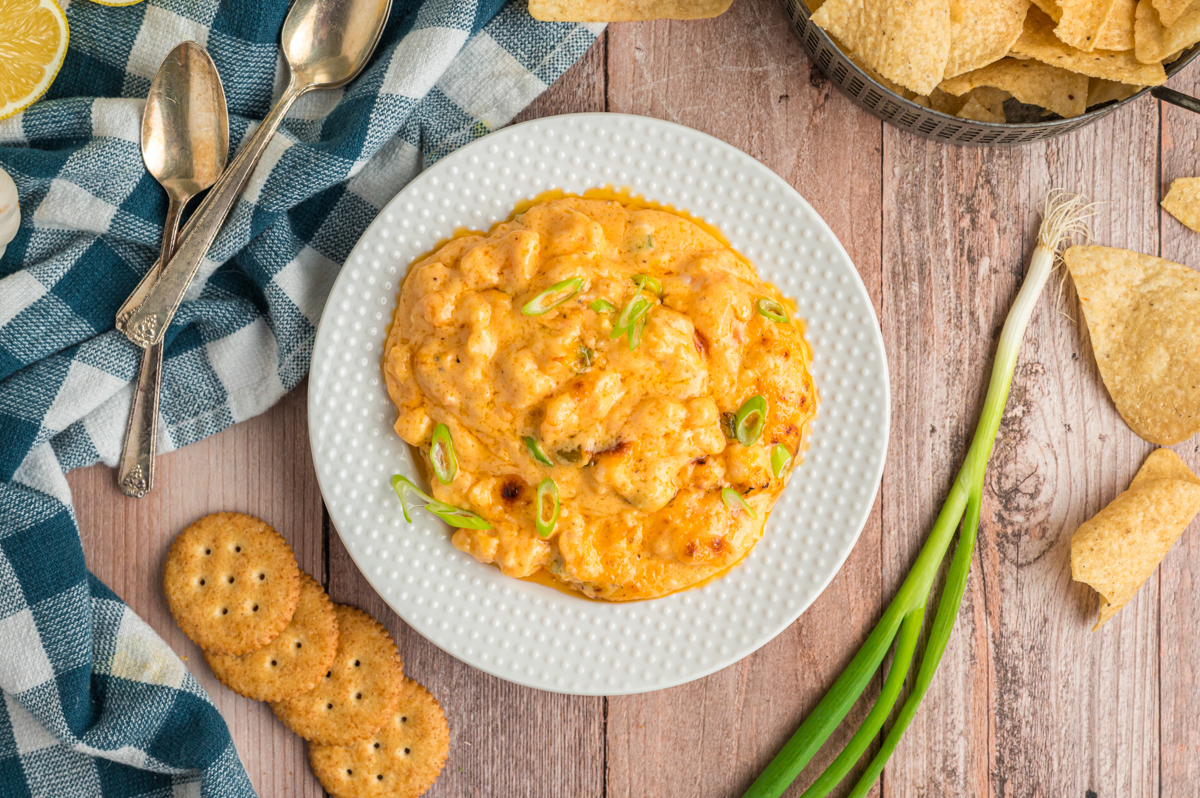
{"x":327,"y":42}
{"x":185,"y":131}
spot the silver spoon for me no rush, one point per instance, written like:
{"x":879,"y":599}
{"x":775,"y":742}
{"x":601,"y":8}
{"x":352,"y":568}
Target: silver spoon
{"x":325,"y":43}
{"x":185,"y":141}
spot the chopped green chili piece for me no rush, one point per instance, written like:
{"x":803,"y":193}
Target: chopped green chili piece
{"x":646,"y":281}
{"x":571,"y":455}
{"x":454,"y":516}
{"x":727,"y":426}
{"x":535,"y":451}
{"x":602,"y":305}
{"x":585,"y":356}
{"x":734,"y":501}
{"x":645,"y":242}
{"x":772,"y":310}
{"x":441,"y":454}
{"x":552,"y":297}
{"x":750,"y":419}
{"x":781,"y":458}
{"x":547,"y":487}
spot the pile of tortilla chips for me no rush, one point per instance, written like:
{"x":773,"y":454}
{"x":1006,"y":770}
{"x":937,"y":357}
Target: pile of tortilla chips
{"x":1143,"y":315}
{"x":624,"y":10}
{"x":1118,"y":549}
{"x":967,"y":57}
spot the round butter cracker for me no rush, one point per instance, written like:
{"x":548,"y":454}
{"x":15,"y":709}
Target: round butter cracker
{"x":292,"y":663}
{"x":360,"y":690}
{"x":232,"y":583}
{"x":401,"y":760}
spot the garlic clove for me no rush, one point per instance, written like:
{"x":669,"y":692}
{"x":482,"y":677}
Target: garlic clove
{"x":10,"y":211}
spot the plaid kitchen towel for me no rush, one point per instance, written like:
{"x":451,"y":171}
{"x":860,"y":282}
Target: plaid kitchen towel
{"x":94,"y":703}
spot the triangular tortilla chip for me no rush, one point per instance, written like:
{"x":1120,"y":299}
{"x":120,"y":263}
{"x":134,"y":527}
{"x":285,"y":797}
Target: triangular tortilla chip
{"x":1106,"y":91}
{"x":985,"y":104}
{"x":1143,"y":314}
{"x":906,"y":41}
{"x":1050,"y":8}
{"x":1154,"y":41}
{"x":624,"y":10}
{"x":1031,"y":82}
{"x":1117,"y":31}
{"x":1038,"y":41}
{"x":1081,"y":21}
{"x":1171,"y":10}
{"x":982,"y":31}
{"x":1118,"y":549}
{"x":1183,"y":201}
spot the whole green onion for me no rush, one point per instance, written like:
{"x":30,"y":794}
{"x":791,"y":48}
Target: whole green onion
{"x":734,"y":501}
{"x":535,"y":451}
{"x":441,"y":455}
{"x":1063,"y":217}
{"x":750,"y":419}
{"x":781,"y":458}
{"x":771,"y":309}
{"x":547,"y":487}
{"x":552,"y":297}
{"x":454,"y":516}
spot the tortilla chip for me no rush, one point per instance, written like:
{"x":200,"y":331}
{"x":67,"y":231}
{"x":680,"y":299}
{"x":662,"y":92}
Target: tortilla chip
{"x":946,"y":103}
{"x":813,"y":5}
{"x":1038,"y":41}
{"x":1106,"y":91}
{"x":982,"y":31}
{"x":1171,"y":10}
{"x":906,"y":41}
{"x":624,"y":10}
{"x":1118,"y":549}
{"x":1153,"y":41}
{"x":1081,"y":22}
{"x":977,"y":111}
{"x":1183,"y":201}
{"x":1143,"y":314}
{"x":1031,"y":82}
{"x":1117,"y":31}
{"x":1050,"y":8}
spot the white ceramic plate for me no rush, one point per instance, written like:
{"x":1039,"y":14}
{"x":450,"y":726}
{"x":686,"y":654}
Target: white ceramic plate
{"x":535,"y":635}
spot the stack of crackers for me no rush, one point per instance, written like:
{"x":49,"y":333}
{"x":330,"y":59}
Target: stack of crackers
{"x":968,"y":58}
{"x":330,"y":672}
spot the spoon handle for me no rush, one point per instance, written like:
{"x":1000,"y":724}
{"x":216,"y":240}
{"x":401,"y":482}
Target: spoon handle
{"x":145,"y":327}
{"x":135,"y":470}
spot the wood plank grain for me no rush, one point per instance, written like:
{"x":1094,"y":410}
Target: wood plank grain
{"x":743,"y":78}
{"x":505,"y":740}
{"x":262,"y":467}
{"x":1027,"y":700}
{"x":1179,"y":574}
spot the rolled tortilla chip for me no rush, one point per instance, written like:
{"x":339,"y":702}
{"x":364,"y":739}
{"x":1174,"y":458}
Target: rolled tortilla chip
{"x":1118,"y":549}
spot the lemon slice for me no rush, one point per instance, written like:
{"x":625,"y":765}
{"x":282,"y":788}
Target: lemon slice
{"x":116,"y":3}
{"x":33,"y":43}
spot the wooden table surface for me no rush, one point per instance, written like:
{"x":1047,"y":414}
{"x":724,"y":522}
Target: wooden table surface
{"x":1028,"y":701}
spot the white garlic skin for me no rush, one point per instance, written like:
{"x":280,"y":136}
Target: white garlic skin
{"x":10,"y":211}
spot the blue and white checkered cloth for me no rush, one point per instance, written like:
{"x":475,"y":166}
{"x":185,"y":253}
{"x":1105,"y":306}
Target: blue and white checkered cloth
{"x":94,"y":702}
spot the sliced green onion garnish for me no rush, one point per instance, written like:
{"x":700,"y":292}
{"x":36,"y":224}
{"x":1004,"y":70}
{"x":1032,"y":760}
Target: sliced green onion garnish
{"x":584,"y":357}
{"x":441,"y":454}
{"x":734,"y":501}
{"x":454,"y":516}
{"x":547,"y":487}
{"x":781,"y":458}
{"x":750,"y":419}
{"x":535,"y":451}
{"x":772,"y":310}
{"x":635,"y":333}
{"x":602,"y":306}
{"x":646,"y":281}
{"x":552,"y":297}
{"x":457,"y":517}
{"x":633,"y":310}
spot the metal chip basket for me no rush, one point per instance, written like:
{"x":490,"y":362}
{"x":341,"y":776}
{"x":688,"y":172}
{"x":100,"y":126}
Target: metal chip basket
{"x":925,"y":122}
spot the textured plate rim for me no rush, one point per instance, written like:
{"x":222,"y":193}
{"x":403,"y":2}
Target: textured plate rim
{"x":420,"y":182}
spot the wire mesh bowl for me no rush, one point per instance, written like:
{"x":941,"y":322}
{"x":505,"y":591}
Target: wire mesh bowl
{"x":927,"y":123}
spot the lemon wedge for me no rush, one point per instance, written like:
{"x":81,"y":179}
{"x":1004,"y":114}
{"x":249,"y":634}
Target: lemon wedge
{"x":33,"y":43}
